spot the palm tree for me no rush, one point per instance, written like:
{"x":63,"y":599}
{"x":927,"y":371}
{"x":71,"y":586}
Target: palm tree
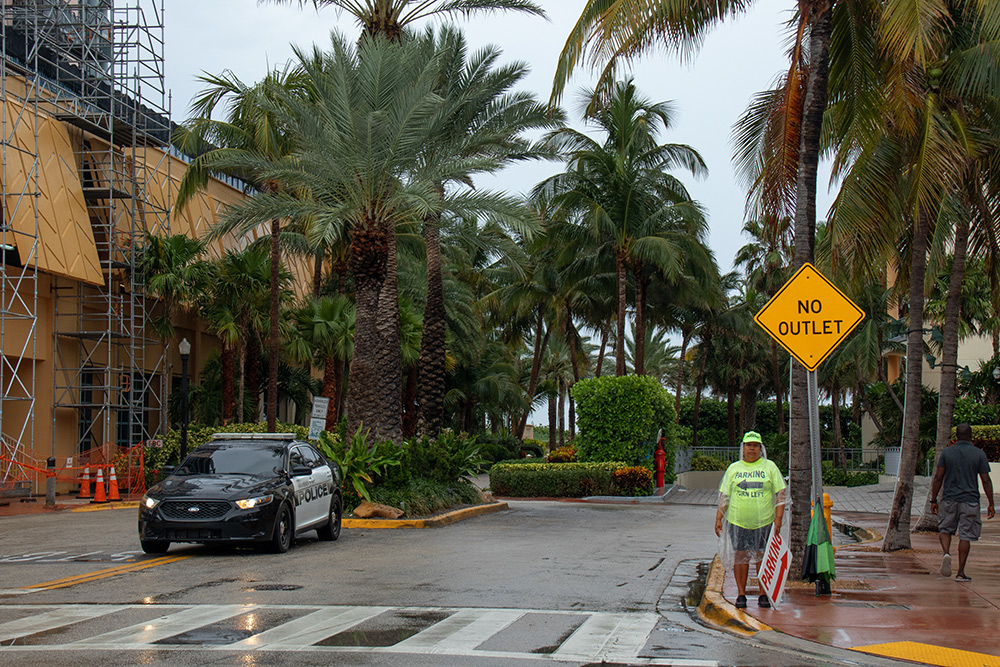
{"x":250,"y":133}
{"x":624,"y":191}
{"x":173,"y":274}
{"x":924,"y":138}
{"x":478,"y":130}
{"x":325,"y":335}
{"x":390,"y":18}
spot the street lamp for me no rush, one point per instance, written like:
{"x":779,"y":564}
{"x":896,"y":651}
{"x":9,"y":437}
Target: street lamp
{"x":996,"y":373}
{"x":184,"y":347}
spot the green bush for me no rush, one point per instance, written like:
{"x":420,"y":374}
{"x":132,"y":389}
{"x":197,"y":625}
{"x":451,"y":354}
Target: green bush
{"x":421,"y":497}
{"x":633,"y":481}
{"x":534,"y":448}
{"x":841,"y":477}
{"x":358,"y":462}
{"x":618,"y":418}
{"x":553,"y":480}
{"x":705,"y":462}
{"x":986,"y":438}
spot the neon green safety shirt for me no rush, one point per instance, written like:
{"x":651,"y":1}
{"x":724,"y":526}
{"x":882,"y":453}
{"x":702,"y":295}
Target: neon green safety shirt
{"x":751,"y":488}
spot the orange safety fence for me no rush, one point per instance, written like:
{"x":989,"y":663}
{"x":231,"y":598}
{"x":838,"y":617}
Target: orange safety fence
{"x":129,"y":464}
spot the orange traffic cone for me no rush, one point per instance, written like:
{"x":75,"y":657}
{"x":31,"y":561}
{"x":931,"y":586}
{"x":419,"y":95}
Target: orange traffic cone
{"x":85,"y":484}
{"x":113,"y":486}
{"x":99,"y":495}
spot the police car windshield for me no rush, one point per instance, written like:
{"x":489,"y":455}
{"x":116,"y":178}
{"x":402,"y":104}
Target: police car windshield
{"x":238,"y":459}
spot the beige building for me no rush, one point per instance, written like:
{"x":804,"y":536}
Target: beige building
{"x":86,"y":171}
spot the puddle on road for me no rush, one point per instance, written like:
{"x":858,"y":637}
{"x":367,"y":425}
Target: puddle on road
{"x":386,"y":629}
{"x":696,"y":587}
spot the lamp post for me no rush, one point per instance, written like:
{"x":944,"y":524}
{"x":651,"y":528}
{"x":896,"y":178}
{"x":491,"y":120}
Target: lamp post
{"x":184,"y":347}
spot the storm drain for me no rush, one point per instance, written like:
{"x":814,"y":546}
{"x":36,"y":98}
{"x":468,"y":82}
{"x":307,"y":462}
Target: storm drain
{"x":236,"y":628}
{"x":387,"y":629}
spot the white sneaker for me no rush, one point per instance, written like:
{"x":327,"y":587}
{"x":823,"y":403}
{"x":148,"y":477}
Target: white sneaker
{"x":946,"y":565}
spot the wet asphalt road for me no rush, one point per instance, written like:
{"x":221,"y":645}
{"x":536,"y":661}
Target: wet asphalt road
{"x":545,"y":582}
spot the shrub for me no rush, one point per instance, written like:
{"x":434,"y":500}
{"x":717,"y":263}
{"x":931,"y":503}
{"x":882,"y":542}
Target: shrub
{"x":633,"y":481}
{"x":619,"y":417}
{"x":706,"y":462}
{"x":357,"y":461}
{"x":553,"y":480}
{"x":421,"y":497}
{"x":986,"y":438}
{"x":841,"y":477}
{"x":531,"y":447}
{"x":565,"y":454}
{"x":497,"y":443}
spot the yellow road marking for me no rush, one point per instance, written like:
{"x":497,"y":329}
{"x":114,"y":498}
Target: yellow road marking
{"x":932,"y":655}
{"x":105,"y":573}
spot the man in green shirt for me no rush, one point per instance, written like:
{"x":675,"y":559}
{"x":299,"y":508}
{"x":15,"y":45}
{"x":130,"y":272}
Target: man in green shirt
{"x":751,"y":500}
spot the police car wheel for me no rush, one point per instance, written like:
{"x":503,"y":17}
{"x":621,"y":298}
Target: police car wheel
{"x":281,"y":539}
{"x":154,"y":546}
{"x":331,"y":531}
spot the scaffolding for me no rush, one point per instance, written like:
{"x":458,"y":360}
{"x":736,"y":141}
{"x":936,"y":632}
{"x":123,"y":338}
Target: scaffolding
{"x":96,"y":66}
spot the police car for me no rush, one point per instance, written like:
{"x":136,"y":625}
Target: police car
{"x":244,"y":488}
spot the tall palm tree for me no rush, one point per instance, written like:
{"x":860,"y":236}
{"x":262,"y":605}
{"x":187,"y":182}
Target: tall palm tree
{"x":249,"y":133}
{"x":624,"y":191}
{"x":923,"y":139}
{"x":479,"y":129}
{"x":390,"y":18}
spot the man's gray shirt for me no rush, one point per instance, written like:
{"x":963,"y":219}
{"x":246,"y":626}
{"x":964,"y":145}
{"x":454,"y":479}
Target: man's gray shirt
{"x":963,"y":462}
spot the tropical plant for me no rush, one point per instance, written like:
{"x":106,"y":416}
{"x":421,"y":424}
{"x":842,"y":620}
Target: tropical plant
{"x":358,"y":461}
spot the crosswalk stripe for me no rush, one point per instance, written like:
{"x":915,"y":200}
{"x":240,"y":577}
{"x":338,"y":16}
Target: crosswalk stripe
{"x":609,"y":635}
{"x":461,"y":632}
{"x":53,"y":619}
{"x":618,"y":637}
{"x":166,"y":626}
{"x":311,"y":628}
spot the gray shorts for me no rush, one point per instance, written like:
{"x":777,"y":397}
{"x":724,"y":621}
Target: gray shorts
{"x":961,"y":517}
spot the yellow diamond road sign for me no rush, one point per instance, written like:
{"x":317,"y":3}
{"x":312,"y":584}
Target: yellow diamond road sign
{"x":809,"y":316}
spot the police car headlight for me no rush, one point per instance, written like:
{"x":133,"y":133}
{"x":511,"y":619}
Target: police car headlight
{"x":150,"y":503}
{"x":250,"y":503}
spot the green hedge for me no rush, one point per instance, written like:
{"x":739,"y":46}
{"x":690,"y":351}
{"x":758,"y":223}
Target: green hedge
{"x":988,"y":439}
{"x":553,"y":480}
{"x":618,"y":418}
{"x":840,"y":477}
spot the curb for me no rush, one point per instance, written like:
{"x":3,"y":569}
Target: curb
{"x":433,"y":522}
{"x":716,"y":611}
{"x":124,"y":505}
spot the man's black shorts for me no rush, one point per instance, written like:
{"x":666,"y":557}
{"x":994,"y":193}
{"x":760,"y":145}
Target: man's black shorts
{"x":749,"y":539}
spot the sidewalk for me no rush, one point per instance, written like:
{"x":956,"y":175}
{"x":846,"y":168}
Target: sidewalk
{"x":888,"y":604}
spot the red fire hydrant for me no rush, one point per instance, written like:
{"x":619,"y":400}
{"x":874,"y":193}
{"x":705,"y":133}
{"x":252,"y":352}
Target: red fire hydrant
{"x":660,"y":460}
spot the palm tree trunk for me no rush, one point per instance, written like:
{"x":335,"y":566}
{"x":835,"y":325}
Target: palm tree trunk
{"x":685,"y":341}
{"x":699,"y":386}
{"x":897,"y":533}
{"x":228,"y":374}
{"x":576,"y":378}
{"x":432,"y":342}
{"x":243,"y":382}
{"x":600,"y":353}
{"x":814,"y":105}
{"x":640,"y":324}
{"x":536,"y":367}
{"x":838,"y":436}
{"x":331,"y":390}
{"x":318,"y":274}
{"x":779,"y":392}
{"x":410,"y":403}
{"x":389,"y":425}
{"x":274,"y":338}
{"x":340,"y":369}
{"x":748,"y":409}
{"x":552,"y":422}
{"x":562,"y":413}
{"x":949,"y":361}
{"x":252,"y":375}
{"x":622,"y":303}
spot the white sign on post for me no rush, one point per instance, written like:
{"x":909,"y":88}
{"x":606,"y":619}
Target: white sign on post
{"x":320,"y":405}
{"x":774,"y":569}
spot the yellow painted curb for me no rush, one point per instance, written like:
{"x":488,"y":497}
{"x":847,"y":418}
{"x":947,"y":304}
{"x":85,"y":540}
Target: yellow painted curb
{"x":123,"y":505}
{"x":931,"y":655}
{"x":716,"y":610}
{"x":433,"y":522}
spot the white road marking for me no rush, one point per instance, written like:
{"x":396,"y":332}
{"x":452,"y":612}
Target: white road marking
{"x":618,"y":637}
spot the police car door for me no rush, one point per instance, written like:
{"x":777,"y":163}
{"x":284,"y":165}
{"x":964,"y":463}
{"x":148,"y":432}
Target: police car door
{"x":306,"y":508}
{"x":322,"y":478}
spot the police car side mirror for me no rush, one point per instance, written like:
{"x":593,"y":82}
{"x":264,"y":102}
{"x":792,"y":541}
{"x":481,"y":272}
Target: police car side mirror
{"x":301,"y":471}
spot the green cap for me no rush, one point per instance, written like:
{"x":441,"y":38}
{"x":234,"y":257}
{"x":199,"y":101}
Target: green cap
{"x":752,"y":436}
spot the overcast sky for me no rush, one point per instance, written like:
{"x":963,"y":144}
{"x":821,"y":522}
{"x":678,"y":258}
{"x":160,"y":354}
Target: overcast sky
{"x":739,"y":59}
